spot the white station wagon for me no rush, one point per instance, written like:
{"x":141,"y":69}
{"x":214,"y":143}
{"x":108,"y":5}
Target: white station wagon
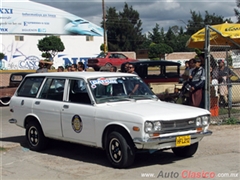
{"x":113,"y":111}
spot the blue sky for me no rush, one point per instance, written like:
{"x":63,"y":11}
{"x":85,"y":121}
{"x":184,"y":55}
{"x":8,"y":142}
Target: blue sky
{"x":166,"y":13}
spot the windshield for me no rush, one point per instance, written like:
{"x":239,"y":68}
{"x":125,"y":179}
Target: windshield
{"x":113,"y":89}
{"x":101,"y":55}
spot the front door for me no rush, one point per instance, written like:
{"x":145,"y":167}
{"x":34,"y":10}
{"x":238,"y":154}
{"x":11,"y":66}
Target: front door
{"x":78,"y":114}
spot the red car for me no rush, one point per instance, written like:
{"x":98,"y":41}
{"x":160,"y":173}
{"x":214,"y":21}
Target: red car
{"x":108,"y":59}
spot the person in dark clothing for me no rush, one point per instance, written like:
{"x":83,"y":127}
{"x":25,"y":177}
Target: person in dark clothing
{"x":196,"y":84}
{"x":225,"y":88}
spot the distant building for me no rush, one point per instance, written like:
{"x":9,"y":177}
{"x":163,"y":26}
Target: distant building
{"x":24,"y":23}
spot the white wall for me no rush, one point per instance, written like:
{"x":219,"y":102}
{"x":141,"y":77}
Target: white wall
{"x":23,"y":55}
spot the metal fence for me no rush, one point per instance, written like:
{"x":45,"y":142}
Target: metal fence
{"x":223,"y":85}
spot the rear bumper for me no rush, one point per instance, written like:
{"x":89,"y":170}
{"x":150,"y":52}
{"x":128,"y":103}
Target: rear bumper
{"x":166,"y":142}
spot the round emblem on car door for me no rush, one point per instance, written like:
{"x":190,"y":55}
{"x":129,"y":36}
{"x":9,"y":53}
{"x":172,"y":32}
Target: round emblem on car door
{"x":77,"y":123}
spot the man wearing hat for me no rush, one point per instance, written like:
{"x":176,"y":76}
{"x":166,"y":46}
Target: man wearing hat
{"x":197,"y":83}
{"x":224,"y":74}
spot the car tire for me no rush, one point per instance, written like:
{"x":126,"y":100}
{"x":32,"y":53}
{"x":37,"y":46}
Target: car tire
{"x":120,"y":151}
{"x":35,"y":137}
{"x":186,"y":151}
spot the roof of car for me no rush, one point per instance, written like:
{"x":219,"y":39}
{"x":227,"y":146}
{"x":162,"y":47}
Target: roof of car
{"x":84,"y":75}
{"x":156,"y":62}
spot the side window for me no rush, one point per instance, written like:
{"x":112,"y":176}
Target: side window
{"x":121,"y":56}
{"x":78,"y":92}
{"x":53,"y":89}
{"x":30,"y":87}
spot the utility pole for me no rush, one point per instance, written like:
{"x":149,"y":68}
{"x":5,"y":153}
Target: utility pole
{"x":104,"y":27}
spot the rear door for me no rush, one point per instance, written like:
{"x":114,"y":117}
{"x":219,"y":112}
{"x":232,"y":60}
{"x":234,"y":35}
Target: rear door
{"x":21,"y":102}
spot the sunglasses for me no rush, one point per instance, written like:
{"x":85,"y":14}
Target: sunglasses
{"x":130,"y":67}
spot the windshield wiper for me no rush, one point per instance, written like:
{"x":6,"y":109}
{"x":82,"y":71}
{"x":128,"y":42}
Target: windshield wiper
{"x":140,"y":97}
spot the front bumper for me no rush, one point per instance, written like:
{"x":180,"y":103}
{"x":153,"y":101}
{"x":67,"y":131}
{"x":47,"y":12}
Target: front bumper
{"x":167,"y":142}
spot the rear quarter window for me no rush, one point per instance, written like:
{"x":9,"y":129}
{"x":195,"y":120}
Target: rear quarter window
{"x":30,"y":87}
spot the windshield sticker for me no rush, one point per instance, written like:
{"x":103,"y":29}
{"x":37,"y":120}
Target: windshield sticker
{"x":77,"y":123}
{"x":93,"y":86}
{"x":104,"y":81}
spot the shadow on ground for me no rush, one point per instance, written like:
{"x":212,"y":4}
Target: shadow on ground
{"x":95,"y":155}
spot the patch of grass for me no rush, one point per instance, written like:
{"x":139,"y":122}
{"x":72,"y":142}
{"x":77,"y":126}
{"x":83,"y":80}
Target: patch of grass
{"x":2,"y":149}
{"x":231,"y":121}
{"x":223,"y":111}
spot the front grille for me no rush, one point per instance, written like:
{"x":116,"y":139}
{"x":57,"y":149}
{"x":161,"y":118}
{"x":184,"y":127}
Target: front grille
{"x":178,"y":125}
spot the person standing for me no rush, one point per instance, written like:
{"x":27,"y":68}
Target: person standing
{"x":74,"y":67}
{"x":197,"y":83}
{"x":131,"y":70}
{"x":60,"y":69}
{"x":113,"y":69}
{"x":185,"y":75}
{"x":42,"y":68}
{"x":225,"y":88}
{"x":81,"y":67}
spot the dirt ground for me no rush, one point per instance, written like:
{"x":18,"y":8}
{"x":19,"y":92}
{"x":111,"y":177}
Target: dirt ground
{"x":218,"y":154}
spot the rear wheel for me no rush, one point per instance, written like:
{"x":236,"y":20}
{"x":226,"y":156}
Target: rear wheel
{"x":35,"y":137}
{"x":120,"y":150}
{"x":186,"y":151}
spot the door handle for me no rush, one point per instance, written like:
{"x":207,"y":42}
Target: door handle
{"x":22,"y":102}
{"x":65,"y":106}
{"x":37,"y":102}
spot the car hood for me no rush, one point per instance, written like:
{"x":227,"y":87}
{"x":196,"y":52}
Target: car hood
{"x":152,"y":110}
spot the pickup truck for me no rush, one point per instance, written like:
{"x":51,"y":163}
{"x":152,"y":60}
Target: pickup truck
{"x":8,"y":91}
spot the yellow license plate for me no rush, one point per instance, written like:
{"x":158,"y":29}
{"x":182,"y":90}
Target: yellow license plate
{"x":183,"y":140}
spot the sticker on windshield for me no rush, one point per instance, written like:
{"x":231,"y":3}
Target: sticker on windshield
{"x":77,"y":123}
{"x":104,"y":81}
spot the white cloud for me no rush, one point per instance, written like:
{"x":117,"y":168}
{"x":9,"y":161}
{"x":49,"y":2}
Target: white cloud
{"x":164,"y":12}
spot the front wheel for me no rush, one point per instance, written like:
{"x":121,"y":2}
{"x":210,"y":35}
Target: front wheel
{"x":120,"y":151}
{"x":186,"y":151}
{"x":35,"y":137}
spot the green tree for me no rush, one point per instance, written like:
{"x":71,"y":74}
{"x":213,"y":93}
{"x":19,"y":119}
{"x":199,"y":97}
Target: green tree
{"x":50,"y":46}
{"x":124,"y":30}
{"x":113,"y":29}
{"x":197,"y":22}
{"x":156,"y":36}
{"x":237,"y":13}
{"x":158,"y":51}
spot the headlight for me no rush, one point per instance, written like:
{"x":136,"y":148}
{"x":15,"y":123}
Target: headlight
{"x":198,"y":121}
{"x":157,"y":126}
{"x":205,"y":120}
{"x":148,"y":126}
